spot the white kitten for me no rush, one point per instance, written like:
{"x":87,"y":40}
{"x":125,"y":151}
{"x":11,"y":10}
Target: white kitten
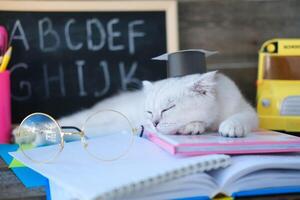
{"x":186,"y":105}
{"x":195,"y":103}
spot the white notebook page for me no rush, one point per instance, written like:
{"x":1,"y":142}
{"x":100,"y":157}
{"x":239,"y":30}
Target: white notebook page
{"x":88,"y":178}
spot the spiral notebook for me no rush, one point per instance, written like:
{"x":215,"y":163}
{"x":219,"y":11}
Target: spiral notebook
{"x":145,"y":166}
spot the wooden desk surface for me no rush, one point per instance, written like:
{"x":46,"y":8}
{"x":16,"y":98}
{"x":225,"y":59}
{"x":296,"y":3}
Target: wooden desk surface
{"x":12,"y":189}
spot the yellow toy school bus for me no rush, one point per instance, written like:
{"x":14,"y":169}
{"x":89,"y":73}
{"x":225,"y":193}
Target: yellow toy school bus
{"x":278,"y":85}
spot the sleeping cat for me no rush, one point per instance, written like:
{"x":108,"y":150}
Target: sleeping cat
{"x":183,"y":105}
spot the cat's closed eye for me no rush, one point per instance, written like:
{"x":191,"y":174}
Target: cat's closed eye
{"x":169,"y":108}
{"x":149,"y":112}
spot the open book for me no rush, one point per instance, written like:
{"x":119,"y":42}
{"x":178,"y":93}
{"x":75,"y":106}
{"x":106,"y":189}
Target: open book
{"x":79,"y":176}
{"x":149,"y":172}
{"x":247,"y":175}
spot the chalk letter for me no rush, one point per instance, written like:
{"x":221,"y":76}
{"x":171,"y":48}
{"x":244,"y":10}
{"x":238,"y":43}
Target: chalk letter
{"x":132,"y":34}
{"x":21,"y":36}
{"x":80,"y":64}
{"x":50,"y":32}
{"x":112,"y":35}
{"x":24,"y":85}
{"x":128,"y":78}
{"x":59,"y":78}
{"x":104,"y":66}
{"x":97,"y":24}
{"x":68,"y":36}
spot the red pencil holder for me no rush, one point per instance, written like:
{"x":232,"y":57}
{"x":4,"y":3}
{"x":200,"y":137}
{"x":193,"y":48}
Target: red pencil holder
{"x":5,"y":107}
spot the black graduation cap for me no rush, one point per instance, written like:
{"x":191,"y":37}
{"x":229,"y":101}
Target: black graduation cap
{"x":186,"y":62}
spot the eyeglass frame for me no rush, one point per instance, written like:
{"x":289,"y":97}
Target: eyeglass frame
{"x":82,"y":135}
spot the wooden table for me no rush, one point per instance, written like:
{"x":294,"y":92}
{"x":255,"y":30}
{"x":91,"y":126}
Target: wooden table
{"x":12,"y":189}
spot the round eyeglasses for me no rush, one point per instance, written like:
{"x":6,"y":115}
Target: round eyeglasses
{"x":100,"y":130}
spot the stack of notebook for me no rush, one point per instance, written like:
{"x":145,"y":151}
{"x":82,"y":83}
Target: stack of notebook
{"x":257,"y":142}
{"x":149,"y":172}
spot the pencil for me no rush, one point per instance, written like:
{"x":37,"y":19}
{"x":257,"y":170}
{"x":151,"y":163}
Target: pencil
{"x":5,"y":59}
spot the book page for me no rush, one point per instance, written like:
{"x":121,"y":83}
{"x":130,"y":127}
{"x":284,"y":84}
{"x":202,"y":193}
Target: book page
{"x":195,"y":185}
{"x":82,"y":175}
{"x":247,"y":164}
{"x":268,"y":178}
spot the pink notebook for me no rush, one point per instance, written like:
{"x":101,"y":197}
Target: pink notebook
{"x":212,"y":143}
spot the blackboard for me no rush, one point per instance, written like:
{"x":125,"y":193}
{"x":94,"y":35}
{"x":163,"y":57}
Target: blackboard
{"x":65,"y":61}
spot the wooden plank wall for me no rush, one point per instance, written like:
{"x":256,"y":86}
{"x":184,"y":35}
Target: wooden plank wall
{"x":237,"y":29}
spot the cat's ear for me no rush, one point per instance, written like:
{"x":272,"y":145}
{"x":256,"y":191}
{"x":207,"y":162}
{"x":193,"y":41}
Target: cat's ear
{"x":209,"y":77}
{"x":205,"y":83}
{"x":147,"y":85}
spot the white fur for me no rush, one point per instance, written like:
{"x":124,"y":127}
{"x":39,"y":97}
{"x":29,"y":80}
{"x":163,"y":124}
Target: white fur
{"x":221,"y":108}
{"x":203,"y":102}
{"x":195,"y":103}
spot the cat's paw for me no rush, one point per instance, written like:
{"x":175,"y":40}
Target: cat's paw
{"x":233,"y":128}
{"x":192,"y":128}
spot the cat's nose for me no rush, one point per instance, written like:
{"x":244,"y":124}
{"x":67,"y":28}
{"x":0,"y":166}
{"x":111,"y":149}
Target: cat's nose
{"x":155,"y":123}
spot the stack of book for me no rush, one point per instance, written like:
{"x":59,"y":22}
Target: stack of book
{"x":150,"y":172}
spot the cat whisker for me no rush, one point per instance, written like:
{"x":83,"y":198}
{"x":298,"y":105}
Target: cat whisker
{"x":166,"y":124}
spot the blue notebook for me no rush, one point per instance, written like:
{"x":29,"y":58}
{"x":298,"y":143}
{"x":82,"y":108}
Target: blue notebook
{"x":253,"y":193}
{"x":26,"y":175}
{"x":268,"y":191}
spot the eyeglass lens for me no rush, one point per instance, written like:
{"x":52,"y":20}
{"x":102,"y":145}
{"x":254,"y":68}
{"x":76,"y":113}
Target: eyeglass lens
{"x":104,"y":130}
{"x":39,"y":130}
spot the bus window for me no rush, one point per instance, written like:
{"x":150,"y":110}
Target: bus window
{"x":282,"y":67}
